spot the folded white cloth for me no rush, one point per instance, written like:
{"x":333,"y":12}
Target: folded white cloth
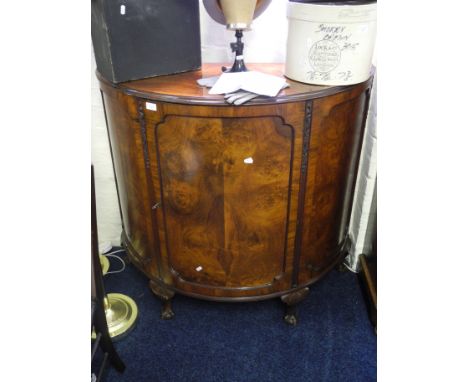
{"x":254,"y":82}
{"x":208,"y":81}
{"x":242,"y":87}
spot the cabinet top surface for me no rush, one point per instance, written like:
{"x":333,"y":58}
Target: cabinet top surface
{"x":183,"y":87}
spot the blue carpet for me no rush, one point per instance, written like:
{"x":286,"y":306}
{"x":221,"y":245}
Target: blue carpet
{"x":241,"y":342}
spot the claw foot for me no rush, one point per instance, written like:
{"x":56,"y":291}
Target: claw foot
{"x":166,"y":296}
{"x":290,"y":301}
{"x":167,"y":312}
{"x":290,"y":319}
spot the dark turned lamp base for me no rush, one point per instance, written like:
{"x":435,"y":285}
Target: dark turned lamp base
{"x":238,"y":48}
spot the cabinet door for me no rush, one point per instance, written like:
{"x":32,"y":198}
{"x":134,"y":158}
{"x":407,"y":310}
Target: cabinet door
{"x":225,"y":195}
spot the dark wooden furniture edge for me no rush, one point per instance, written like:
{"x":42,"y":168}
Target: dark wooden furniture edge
{"x":369,"y":289}
{"x":368,"y":264}
{"x":372,"y":287}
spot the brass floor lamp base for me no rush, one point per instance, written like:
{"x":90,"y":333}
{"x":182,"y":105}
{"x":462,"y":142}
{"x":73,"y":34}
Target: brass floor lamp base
{"x":121,"y":315}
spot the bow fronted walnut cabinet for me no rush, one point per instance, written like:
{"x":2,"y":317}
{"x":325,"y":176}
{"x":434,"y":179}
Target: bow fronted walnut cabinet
{"x":234,"y":203}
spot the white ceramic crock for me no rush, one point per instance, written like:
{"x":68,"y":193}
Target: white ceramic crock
{"x":330,"y":44}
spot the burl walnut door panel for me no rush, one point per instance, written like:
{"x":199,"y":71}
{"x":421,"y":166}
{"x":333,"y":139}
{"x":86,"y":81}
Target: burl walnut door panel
{"x":225,"y":196}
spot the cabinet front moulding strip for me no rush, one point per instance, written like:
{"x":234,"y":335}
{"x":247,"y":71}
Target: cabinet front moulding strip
{"x":306,"y":132}
{"x":149,"y":182}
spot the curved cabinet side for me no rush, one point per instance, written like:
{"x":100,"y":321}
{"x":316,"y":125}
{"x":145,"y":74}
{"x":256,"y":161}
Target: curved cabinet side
{"x":129,"y":167}
{"x":336,"y":135}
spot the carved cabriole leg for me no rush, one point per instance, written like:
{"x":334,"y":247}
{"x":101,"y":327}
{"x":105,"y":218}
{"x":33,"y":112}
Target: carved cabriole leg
{"x":291,"y":300}
{"x":166,"y":296}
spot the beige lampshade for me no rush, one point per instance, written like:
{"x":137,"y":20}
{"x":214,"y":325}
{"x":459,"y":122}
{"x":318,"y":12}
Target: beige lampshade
{"x":235,"y":14}
{"x":238,"y":13}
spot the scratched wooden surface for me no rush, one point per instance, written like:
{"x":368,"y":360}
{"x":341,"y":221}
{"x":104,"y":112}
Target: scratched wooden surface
{"x":210,"y":194}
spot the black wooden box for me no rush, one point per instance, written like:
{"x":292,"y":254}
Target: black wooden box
{"x":135,"y":39}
